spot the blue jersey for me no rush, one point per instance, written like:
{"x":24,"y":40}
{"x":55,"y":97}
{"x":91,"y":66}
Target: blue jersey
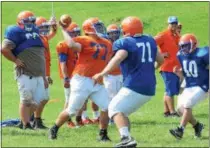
{"x":23,"y":39}
{"x":194,"y":68}
{"x":138,"y":68}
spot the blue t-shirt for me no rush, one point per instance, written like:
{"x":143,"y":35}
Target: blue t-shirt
{"x":138,"y":68}
{"x":194,"y":66}
{"x":23,"y":39}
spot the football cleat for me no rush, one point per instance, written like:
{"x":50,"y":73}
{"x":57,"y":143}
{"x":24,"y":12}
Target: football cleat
{"x":28,"y":126}
{"x":53,"y":133}
{"x":38,"y":124}
{"x":126,"y":142}
{"x":177,"y":133}
{"x":198,"y":129}
{"x":103,"y":136}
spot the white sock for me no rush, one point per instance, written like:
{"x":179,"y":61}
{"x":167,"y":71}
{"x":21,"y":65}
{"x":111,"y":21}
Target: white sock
{"x":96,"y":114}
{"x":84,"y":115}
{"x":124,"y":131}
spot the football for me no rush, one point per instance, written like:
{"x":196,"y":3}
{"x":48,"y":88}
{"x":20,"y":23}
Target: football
{"x":65,"y":20}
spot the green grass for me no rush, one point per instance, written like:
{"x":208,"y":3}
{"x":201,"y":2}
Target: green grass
{"x":149,"y":127}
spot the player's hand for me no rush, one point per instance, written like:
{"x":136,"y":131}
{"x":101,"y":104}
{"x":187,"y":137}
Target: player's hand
{"x":19,"y":63}
{"x":165,"y":55}
{"x":98,"y":78}
{"x":53,"y":20}
{"x":66,"y":82}
{"x":178,"y":71}
{"x":46,"y":84}
{"x":50,"y":80}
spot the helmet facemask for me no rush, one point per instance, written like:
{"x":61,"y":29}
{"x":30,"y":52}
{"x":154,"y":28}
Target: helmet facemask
{"x":29,"y":23}
{"x":99,"y":28}
{"x":44,"y":29}
{"x":186,"y":48}
{"x":113,"y":35}
{"x":76,"y":32}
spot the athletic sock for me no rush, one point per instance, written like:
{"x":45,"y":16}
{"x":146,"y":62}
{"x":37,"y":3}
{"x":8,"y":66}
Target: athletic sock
{"x":96,"y":114}
{"x":124,"y":132}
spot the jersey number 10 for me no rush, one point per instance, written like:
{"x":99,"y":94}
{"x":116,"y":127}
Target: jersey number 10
{"x":190,"y":68}
{"x":145,"y":48}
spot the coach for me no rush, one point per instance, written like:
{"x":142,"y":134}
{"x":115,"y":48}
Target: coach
{"x":168,"y":46}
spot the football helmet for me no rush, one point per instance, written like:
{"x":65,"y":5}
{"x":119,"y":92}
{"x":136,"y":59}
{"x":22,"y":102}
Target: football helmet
{"x":26,"y":20}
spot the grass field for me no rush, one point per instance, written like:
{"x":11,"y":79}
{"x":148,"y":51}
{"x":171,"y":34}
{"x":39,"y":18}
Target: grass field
{"x":149,"y":127}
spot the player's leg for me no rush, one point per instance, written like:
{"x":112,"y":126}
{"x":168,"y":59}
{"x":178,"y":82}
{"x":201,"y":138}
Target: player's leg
{"x":190,"y":97}
{"x":172,"y":88}
{"x":100,"y":98}
{"x":26,"y":87}
{"x":41,"y":96}
{"x":121,"y":106}
{"x":80,"y":90}
{"x":112,"y":83}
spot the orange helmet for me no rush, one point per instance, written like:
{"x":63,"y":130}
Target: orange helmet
{"x":113,"y":32}
{"x":188,"y":43}
{"x":40,"y":21}
{"x":73,"y":30}
{"x":93,"y":26}
{"x":26,"y":20}
{"x":132,"y":26}
{"x":43,"y":25}
{"x":25,"y":16}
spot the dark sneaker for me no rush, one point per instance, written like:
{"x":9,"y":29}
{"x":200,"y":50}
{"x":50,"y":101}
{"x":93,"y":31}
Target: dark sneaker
{"x":103,"y":136}
{"x":53,"y":133}
{"x":27,"y":126}
{"x":166,"y":114}
{"x":175,"y":114}
{"x":127,"y":142}
{"x":198,"y":129}
{"x":38,"y":124}
{"x":177,"y":133}
{"x":20,"y":125}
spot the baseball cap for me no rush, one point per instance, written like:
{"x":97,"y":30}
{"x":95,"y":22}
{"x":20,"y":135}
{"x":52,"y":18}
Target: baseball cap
{"x":172,"y":19}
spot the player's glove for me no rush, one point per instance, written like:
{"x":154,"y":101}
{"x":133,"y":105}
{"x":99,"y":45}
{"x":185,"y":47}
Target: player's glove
{"x":66,"y":82}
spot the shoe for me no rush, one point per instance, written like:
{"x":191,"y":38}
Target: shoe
{"x":127,"y":142}
{"x":175,"y":114}
{"x":103,"y":136}
{"x":71,"y":124}
{"x":53,"y":133}
{"x":20,"y":125}
{"x":177,"y":133}
{"x":27,"y":126}
{"x":87,"y":121}
{"x":95,"y":121}
{"x":38,"y":124}
{"x":198,"y":129}
{"x":166,"y":114}
{"x":79,"y":124}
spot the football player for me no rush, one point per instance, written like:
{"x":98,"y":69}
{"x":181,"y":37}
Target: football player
{"x":195,"y":69}
{"x":136,"y":54}
{"x":113,"y":81}
{"x":67,"y":62}
{"x":46,"y":34}
{"x":23,"y":46}
{"x":94,"y":52}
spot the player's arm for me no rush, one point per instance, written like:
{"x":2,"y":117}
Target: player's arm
{"x":7,"y":47}
{"x":159,"y":60}
{"x":64,"y":69}
{"x":113,"y":63}
{"x":71,"y":43}
{"x":120,"y":56}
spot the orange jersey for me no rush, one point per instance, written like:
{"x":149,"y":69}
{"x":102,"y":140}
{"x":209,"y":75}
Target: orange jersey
{"x":168,"y":43}
{"x":94,"y":55}
{"x":47,"y":55}
{"x":62,"y":48}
